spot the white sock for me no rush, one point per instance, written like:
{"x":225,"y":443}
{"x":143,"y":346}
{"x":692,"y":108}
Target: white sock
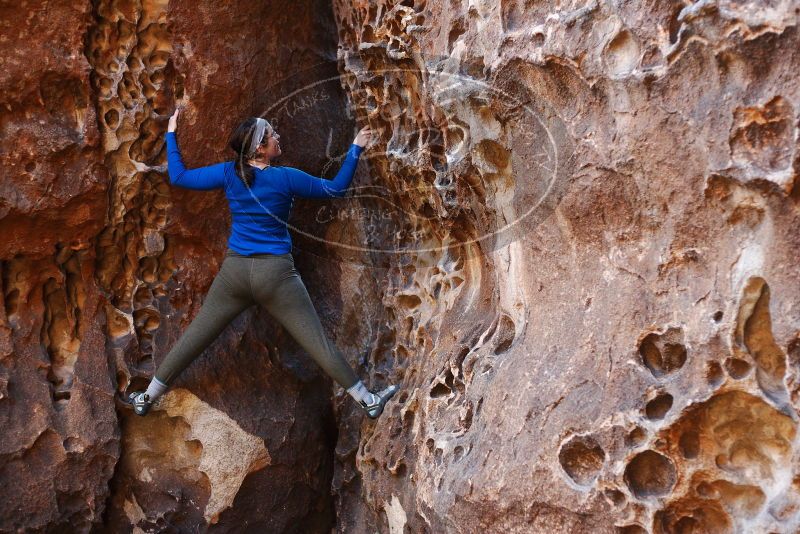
{"x":360,"y":393}
{"x":156,"y":389}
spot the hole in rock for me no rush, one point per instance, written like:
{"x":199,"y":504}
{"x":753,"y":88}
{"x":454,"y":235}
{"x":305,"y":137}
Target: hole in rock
{"x":615,"y":497}
{"x":737,"y":368}
{"x":409,"y":301}
{"x":408,"y":419}
{"x":457,"y":30}
{"x":650,"y":474}
{"x":754,"y":332}
{"x":674,"y":25}
{"x":635,"y":437}
{"x":664,"y":353}
{"x":112,"y":118}
{"x":400,"y":470}
{"x":440,"y":390}
{"x":659,"y":406}
{"x":622,"y":54}
{"x":105,"y":85}
{"x":582,"y":459}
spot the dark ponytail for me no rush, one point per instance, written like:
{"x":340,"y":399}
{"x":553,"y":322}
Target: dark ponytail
{"x":240,"y":143}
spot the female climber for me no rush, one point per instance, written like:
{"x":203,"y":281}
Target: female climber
{"x":259,"y":267}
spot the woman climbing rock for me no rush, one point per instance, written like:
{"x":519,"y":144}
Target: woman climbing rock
{"x":258,"y":266}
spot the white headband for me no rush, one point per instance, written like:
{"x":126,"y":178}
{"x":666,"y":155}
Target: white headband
{"x":258,"y":134}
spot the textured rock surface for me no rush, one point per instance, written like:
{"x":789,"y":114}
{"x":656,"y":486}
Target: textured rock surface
{"x":629,"y":360}
{"x":573,"y":245}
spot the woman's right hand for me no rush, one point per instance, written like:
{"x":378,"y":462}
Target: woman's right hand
{"x":363,"y":137}
{"x":173,"y":121}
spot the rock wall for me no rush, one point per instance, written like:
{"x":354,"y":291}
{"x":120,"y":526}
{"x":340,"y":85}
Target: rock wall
{"x":104,"y":263}
{"x":594,"y":317}
{"x":572,"y":245}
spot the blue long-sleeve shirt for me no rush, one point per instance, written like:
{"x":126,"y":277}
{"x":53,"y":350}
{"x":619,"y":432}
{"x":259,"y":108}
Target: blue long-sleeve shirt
{"x":259,"y":216}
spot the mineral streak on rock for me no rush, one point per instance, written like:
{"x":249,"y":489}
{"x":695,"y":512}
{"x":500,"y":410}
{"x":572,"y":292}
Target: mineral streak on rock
{"x":573,"y":245}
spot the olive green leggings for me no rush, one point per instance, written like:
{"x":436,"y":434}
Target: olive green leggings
{"x":272,"y":281}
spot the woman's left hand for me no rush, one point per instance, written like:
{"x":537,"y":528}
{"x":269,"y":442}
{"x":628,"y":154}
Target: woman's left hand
{"x":173,"y":121}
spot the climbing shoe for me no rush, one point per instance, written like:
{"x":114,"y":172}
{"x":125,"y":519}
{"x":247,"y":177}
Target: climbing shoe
{"x":379,"y":399}
{"x":140,"y":401}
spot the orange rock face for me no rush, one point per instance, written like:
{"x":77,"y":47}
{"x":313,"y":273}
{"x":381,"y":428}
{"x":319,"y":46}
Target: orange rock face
{"x":572,"y":244}
{"x":104,"y":263}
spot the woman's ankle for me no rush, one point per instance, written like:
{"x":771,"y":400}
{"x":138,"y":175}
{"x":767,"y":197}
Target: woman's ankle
{"x":156,"y":389}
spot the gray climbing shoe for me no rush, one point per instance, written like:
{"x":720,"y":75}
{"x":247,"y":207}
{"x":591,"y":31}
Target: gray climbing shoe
{"x":140,"y":401}
{"x":375,"y":409}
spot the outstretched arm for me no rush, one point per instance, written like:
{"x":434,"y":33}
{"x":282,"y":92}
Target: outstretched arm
{"x":202,"y":178}
{"x":303,"y":184}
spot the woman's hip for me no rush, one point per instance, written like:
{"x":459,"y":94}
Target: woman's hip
{"x":263,"y":272}
{"x":230,"y":253}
